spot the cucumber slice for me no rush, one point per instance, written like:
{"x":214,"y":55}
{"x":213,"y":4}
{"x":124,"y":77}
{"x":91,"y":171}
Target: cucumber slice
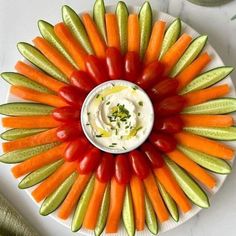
{"x":99,"y":12}
{"x":122,"y":15}
{"x":74,"y":23}
{"x":128,"y":213}
{"x":25,"y":109}
{"x":20,"y":80}
{"x":145,"y":23}
{"x":226,"y":133}
{"x":38,"y":59}
{"x":53,"y":201}
{"x":24,"y":154}
{"x":189,"y":55}
{"x":170,"y":203}
{"x":151,"y":220}
{"x":39,"y":175}
{"x":13,"y":134}
{"x":171,"y":36}
{"x":103,"y":213}
{"x":80,"y":211}
{"x":47,"y":31}
{"x":189,"y":186}
{"x":213,"y":107}
{"x":207,"y":161}
{"x":207,"y":79}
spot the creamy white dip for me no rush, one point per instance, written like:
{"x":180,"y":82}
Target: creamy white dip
{"x":117,"y":116}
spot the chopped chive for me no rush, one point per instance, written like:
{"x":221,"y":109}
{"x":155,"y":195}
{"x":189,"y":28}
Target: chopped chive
{"x":88,"y":113}
{"x":139,"y":114}
{"x":116,"y":132}
{"x":113,"y":84}
{"x":108,"y":103}
{"x":97,"y":95}
{"x":139,"y":128}
{"x":87,"y":124}
{"x":140,"y":103}
{"x":124,"y":148}
{"x":135,"y":87}
{"x":126,"y":127}
{"x":114,"y":144}
{"x":98,"y":135}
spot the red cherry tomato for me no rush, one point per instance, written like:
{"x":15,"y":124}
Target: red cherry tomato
{"x":82,"y":80}
{"x":164,"y":142}
{"x":76,"y":149}
{"x":122,"y":169}
{"x":105,"y":169}
{"x":153,"y":155}
{"x":139,"y":164}
{"x":170,"y":106}
{"x":66,"y":114}
{"x":133,"y":66}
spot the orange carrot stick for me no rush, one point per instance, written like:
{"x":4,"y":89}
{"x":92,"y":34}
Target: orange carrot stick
{"x":116,"y":205}
{"x":194,"y":69}
{"x":155,"y":197}
{"x":155,"y":42}
{"x":175,"y":52}
{"x":205,"y":145}
{"x":95,"y":37}
{"x":73,"y":46}
{"x":54,"y":56}
{"x":54,"y":181}
{"x":72,"y":198}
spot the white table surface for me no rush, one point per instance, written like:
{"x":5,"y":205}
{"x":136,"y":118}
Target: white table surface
{"x":18,"y":22}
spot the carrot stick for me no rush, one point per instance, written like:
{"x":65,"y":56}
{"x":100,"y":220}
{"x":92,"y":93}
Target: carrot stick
{"x":116,"y":205}
{"x":137,"y":190}
{"x":175,"y":52}
{"x":194,"y":169}
{"x":155,"y":197}
{"x":39,"y":160}
{"x":73,"y":46}
{"x":155,"y":42}
{"x":113,"y":37}
{"x":72,"y":198}
{"x":133,"y":33}
{"x":208,"y":120}
{"x":54,"y":181}
{"x":38,"y":76}
{"x":204,"y":95}
{"x":194,"y":69}
{"x":95,"y":37}
{"x":54,"y":56}
{"x":48,"y":136}
{"x":95,"y":202}
{"x":205,"y":145}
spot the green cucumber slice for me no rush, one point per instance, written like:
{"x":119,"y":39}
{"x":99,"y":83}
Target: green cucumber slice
{"x":24,"y":154}
{"x":13,"y":134}
{"x":208,"y":78}
{"x":38,"y":59}
{"x":171,"y":36}
{"x":25,"y":109}
{"x":213,"y":107}
{"x":80,"y":211}
{"x":74,"y":23}
{"x":99,"y":12}
{"x":122,"y":15}
{"x":145,"y":25}
{"x":39,"y":175}
{"x":103,"y":213}
{"x":47,"y":31}
{"x":189,"y":186}
{"x":207,"y":161}
{"x":189,"y":55}
{"x":224,"y":133}
{"x":128,"y":213}
{"x":151,"y":220}
{"x":20,"y":80}
{"x":53,"y":201}
{"x":169,"y":202}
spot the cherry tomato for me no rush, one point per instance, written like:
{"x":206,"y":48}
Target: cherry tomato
{"x":133,"y":66}
{"x":82,"y":80}
{"x":105,"y":169}
{"x":76,"y":149}
{"x":122,"y":169}
{"x":66,"y":114}
{"x":169,"y":106}
{"x":153,"y":155}
{"x":139,"y":164}
{"x":164,"y":142}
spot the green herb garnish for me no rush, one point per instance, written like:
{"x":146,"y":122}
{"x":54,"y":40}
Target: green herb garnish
{"x":140,"y":103}
{"x":98,"y":135}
